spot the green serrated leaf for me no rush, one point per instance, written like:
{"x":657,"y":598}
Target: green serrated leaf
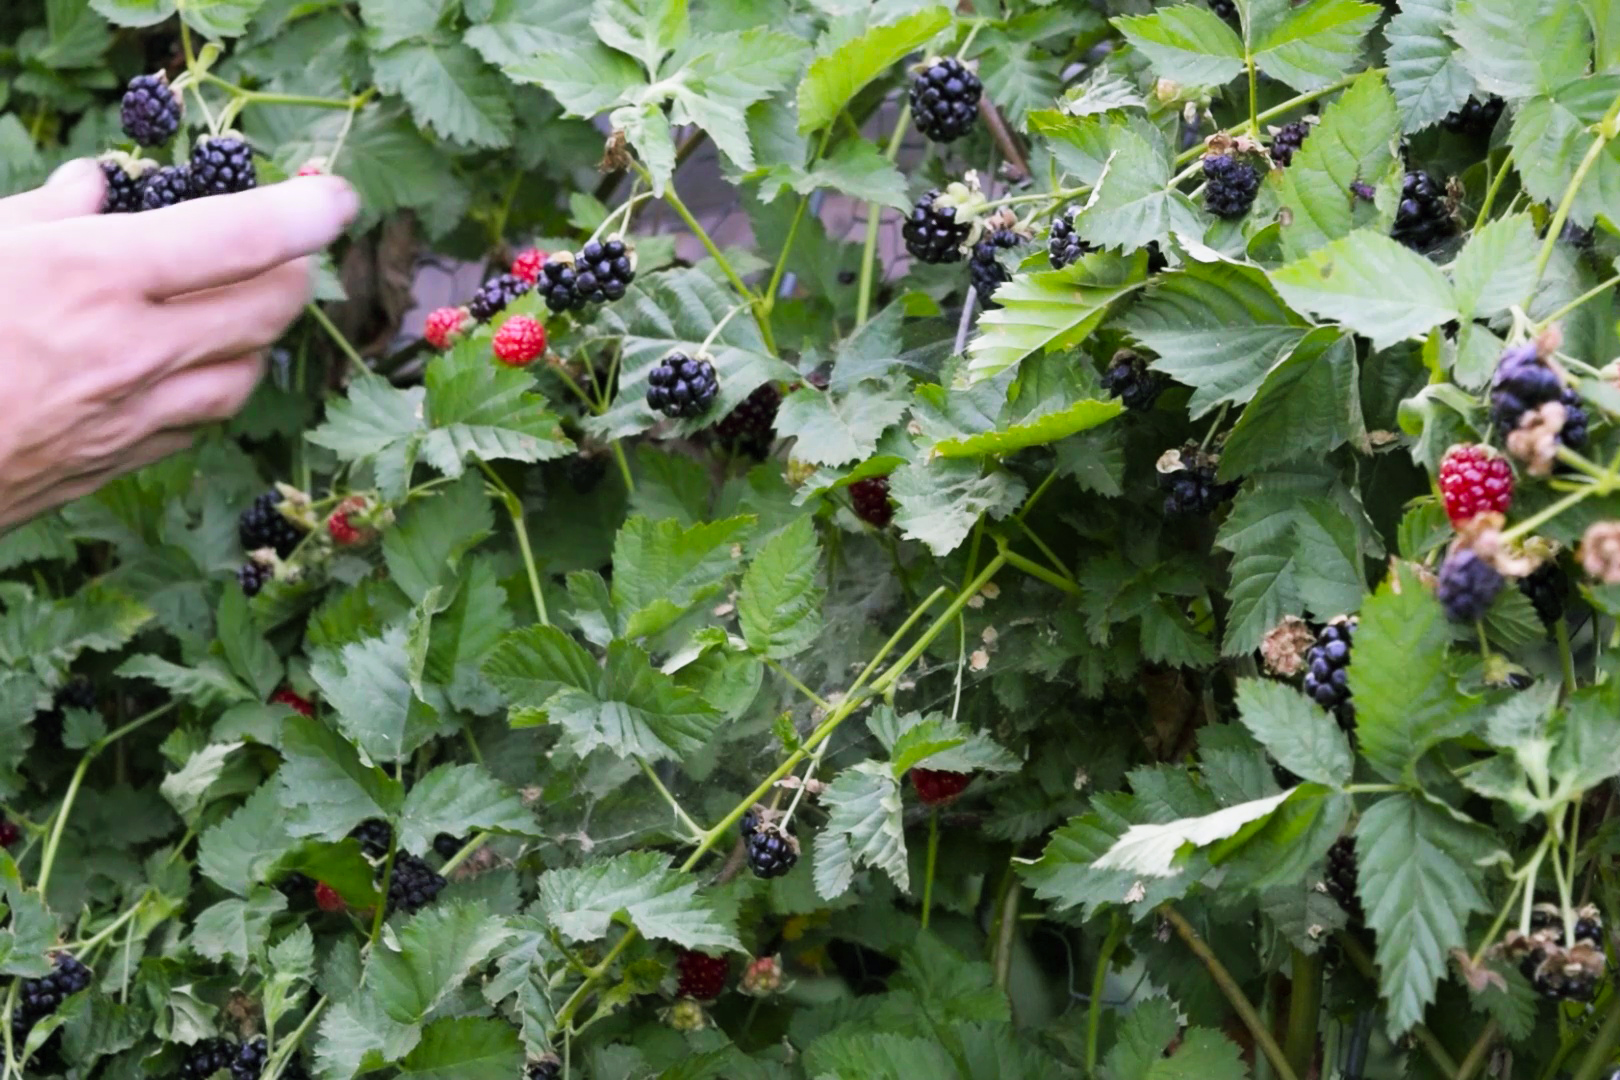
{"x":639,"y":886}
{"x":435,"y":951}
{"x":1186,"y":42}
{"x":1372,"y":285}
{"x":835,"y":78}
{"x":864,"y":828}
{"x":1426,"y":71}
{"x":457,"y":798}
{"x":779,"y":605}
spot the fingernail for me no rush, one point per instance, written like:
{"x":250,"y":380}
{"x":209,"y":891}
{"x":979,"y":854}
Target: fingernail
{"x":344,"y":200}
{"x":324,"y":207}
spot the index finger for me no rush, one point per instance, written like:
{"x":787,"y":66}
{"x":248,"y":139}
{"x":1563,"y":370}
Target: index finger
{"x":224,"y":239}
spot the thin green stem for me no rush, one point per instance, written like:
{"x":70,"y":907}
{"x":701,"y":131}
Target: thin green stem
{"x":1234,"y":993}
{"x":895,"y":638}
{"x":467,"y":851}
{"x":1605,"y":133}
{"x":1566,"y":656}
{"x":1099,"y":978}
{"x":1536,"y":521}
{"x":1051,"y":556}
{"x":874,"y":216}
{"x":780,"y":270}
{"x":1590,"y":294}
{"x":1254,"y":88}
{"x":1597,"y":1056}
{"x":793,"y":681}
{"x":720,"y":260}
{"x":1490,"y":192}
{"x":624,"y":467}
{"x":900,"y":666}
{"x":264,"y":97}
{"x":928,"y":873}
{"x":289,"y":1045}
{"x":1036,"y":570}
{"x":1035,"y":496}
{"x":623,"y":211}
{"x":1006,"y":930}
{"x":674,"y":804}
{"x":714,"y":333}
{"x":1496,"y":927}
{"x":1304,"y":1008}
{"x":514,"y":510}
{"x":335,"y":334}
{"x":387,"y":880}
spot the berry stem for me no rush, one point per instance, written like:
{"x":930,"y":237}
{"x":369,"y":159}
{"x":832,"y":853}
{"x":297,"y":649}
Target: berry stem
{"x":1234,"y":993}
{"x":874,"y":215}
{"x":780,"y":270}
{"x":719,"y":326}
{"x":1565,"y":311}
{"x":1566,"y":657}
{"x":289,"y":1045}
{"x":793,"y":681}
{"x":624,"y":467}
{"x":335,"y":334}
{"x":623,"y":211}
{"x":928,"y":873}
{"x":1536,"y":521}
{"x":264,"y":97}
{"x":1605,"y":132}
{"x":1477,"y":1053}
{"x":1036,"y":570}
{"x":514,"y":510}
{"x":1496,"y":927}
{"x":719,"y":258}
{"x":79,"y":948}
{"x":468,"y":850}
{"x":697,"y":831}
{"x":1099,"y":979}
{"x":1490,"y":192}
{"x":1304,"y":1006}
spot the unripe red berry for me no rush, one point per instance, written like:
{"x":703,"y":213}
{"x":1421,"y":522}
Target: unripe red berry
{"x":703,"y":977}
{"x":763,"y":976}
{"x":9,"y":832}
{"x":871,"y":500}
{"x":444,"y":325}
{"x":936,"y":787}
{"x":1475,"y":480}
{"x":327,"y":898}
{"x":527,"y":265}
{"x":520,"y":341}
{"x":293,"y":701}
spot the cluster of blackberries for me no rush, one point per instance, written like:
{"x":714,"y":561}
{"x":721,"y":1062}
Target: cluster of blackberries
{"x":771,"y":851}
{"x":1128,"y":378}
{"x":1474,"y":117}
{"x":1423,"y":217}
{"x":547,"y":1068}
{"x":1547,"y":589}
{"x":494,"y":295}
{"x":413,"y":885}
{"x":599,"y":272}
{"x":263,"y":525}
{"x":1557,"y":970}
{"x":679,"y":385}
{"x":1194,"y":491}
{"x":1468,"y":584}
{"x":39,"y":998}
{"x":1064,"y":245}
{"x":206,"y":1057}
{"x":446,"y":845}
{"x":945,"y":100}
{"x":1287,"y":141}
{"x":253,"y":576}
{"x":985,"y":269}
{"x":375,"y":836}
{"x":218,"y":166}
{"x":1525,"y":382}
{"x":1230,"y":185}
{"x":1340,"y":881}
{"x":151,"y":110}
{"x":1327,"y":670}
{"x":750,"y":428}
{"x":932,"y":233}
{"x":870,"y":498}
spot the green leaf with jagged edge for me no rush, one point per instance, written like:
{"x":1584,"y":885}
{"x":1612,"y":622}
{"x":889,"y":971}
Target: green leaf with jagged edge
{"x":1495,"y":270}
{"x":1186,"y":42}
{"x":1038,"y":431}
{"x":835,"y":77}
{"x":31,"y":930}
{"x":1585,"y":751}
{"x":186,"y":788}
{"x":424,"y":550}
{"x":860,"y":1055}
{"x":390,"y":22}
{"x":1308,"y":405}
{"x":1141,"y":1051}
{"x":372,"y":686}
{"x":1371,"y":284}
{"x":1131,"y":202}
{"x":1352,"y":145}
{"x":587,"y":78}
{"x":1303,"y":737}
{"x":582,"y":902}
{"x":464,"y":1048}
{"x":378,"y":423}
{"x":624,"y":705}
{"x":510,"y":32}
{"x":1407,"y":701}
{"x":449,"y":89}
{"x":206,"y":685}
{"x":1418,"y":875}
{"x":432,"y":954}
{"x":645,"y":29}
{"x":485,"y":412}
{"x":357,"y":1036}
{"x":647,"y":128}
{"x":661,"y":570}
{"x":458,"y":799}
{"x":251,"y":657}
{"x":1044,"y":312}
{"x":465,"y":632}
{"x":235,"y":853}
{"x":1217,"y":327}
{"x":722,"y":75}
{"x":45,"y":539}
{"x":1519,"y":49}
{"x":325,"y":789}
{"x":944,"y":744}
{"x":838,"y":428}
{"x":1551,"y":137}
{"x":856,"y":169}
{"x":864,"y":828}
{"x":1295,"y":548}
{"x":779,"y":604}
{"x":1303,"y":913}
{"x":675,"y":311}
{"x":1155,"y":849}
{"x":216,"y":18}
{"x":939,"y":502}
{"x":1426,"y":71}
{"x":1316,"y":42}
{"x":234,"y":928}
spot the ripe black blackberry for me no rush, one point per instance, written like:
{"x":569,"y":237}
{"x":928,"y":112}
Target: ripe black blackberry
{"x":680,"y":386}
{"x":1423,"y":218}
{"x":603,"y":270}
{"x":1341,"y":877}
{"x":1064,"y":245}
{"x":945,"y":100}
{"x":1194,"y":491}
{"x":253,"y":576}
{"x":164,"y":187}
{"x":1560,"y":967}
{"x":1226,"y":9}
{"x":1474,"y":117}
{"x":1547,"y":589}
{"x":375,"y":837}
{"x":749,"y":429}
{"x":1230,"y":185}
{"x":1524,"y":382}
{"x":413,"y":885}
{"x":446,"y":845}
{"x":771,"y":852}
{"x":205,"y":1058}
{"x":299,"y":889}
{"x":126,"y":179}
{"x":558,"y":285}
{"x":262,"y":525}
{"x":1156,"y":258}
{"x":39,"y":998}
{"x":1129,"y":379}
{"x":151,"y":110}
{"x":932,"y":233}
{"x":222,"y":166}
{"x":870,"y":497}
{"x":1289,"y":138}
{"x":1467,"y":586}
{"x":750,"y":820}
{"x":495,"y":294}
{"x":547,"y":1068}
{"x":249,"y":1060}
{"x":1327,"y":669}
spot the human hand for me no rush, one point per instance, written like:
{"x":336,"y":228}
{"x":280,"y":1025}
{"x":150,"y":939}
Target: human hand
{"x":127,"y":332}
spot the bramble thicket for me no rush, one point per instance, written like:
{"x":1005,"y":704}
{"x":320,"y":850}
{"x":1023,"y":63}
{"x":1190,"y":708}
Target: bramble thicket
{"x":1023,"y":540}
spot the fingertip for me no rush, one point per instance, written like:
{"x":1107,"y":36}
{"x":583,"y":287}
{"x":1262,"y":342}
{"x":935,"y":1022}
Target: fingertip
{"x":76,"y":175}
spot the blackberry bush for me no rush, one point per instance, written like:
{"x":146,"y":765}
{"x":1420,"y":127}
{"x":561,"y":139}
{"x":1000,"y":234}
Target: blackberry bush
{"x":263,"y":525}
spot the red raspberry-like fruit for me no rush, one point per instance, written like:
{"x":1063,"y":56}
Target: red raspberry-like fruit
{"x":871,"y":499}
{"x":327,"y":898}
{"x":444,"y":326}
{"x":343,"y":533}
{"x":9,"y":833}
{"x":1474,"y":480}
{"x":763,"y":976}
{"x":520,"y":341}
{"x":936,"y":787}
{"x":527,"y":265}
{"x":293,"y":701}
{"x":703,"y":977}
{"x":313,"y":167}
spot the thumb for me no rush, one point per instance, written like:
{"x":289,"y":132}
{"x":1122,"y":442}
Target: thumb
{"x":74,"y":190}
